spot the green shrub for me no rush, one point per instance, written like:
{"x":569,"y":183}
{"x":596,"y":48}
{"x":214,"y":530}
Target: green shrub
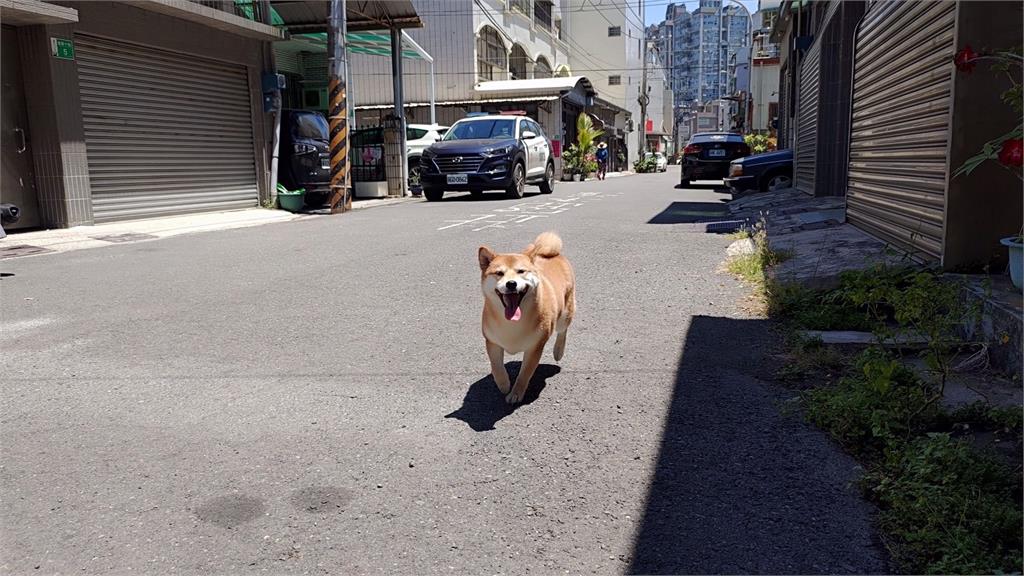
{"x":882,"y":404}
{"x":810,"y":310}
{"x":948,"y":509}
{"x":807,"y":357}
{"x":645,"y":164}
{"x":760,"y":143}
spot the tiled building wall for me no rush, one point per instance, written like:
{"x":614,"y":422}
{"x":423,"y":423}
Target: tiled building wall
{"x":55,"y":129}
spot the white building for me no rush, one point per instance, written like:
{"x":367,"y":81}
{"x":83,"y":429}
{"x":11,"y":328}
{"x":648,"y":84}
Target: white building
{"x":605,"y":42}
{"x":471,"y":43}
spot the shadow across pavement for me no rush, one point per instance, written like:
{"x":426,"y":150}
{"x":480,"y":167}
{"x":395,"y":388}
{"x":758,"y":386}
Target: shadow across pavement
{"x":741,"y":484}
{"x":691,"y":212}
{"x":484,"y":405}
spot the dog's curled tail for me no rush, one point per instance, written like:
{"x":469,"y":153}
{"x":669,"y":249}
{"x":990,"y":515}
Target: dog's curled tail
{"x":547,"y":245}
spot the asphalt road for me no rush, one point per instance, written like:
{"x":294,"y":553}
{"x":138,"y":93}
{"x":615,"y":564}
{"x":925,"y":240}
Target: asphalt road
{"x":314,"y":397}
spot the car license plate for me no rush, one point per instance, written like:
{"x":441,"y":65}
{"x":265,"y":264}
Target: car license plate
{"x":325,"y":163}
{"x":458,"y":178}
{"x":717,"y":153}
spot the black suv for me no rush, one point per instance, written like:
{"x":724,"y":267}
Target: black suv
{"x":305,"y":160}
{"x":488,"y":153}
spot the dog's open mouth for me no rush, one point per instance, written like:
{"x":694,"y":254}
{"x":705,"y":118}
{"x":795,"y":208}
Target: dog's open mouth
{"x":511,"y":302}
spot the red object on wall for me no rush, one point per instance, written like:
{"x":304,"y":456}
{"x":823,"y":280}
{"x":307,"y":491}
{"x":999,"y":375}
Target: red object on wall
{"x":650,"y":125}
{"x":556,"y":148}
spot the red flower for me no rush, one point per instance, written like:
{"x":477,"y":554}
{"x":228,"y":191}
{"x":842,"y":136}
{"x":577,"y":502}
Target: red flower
{"x":964,"y":59}
{"x":1011,"y":154}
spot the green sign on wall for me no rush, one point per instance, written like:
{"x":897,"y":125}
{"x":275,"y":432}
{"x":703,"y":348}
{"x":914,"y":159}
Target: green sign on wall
{"x":63,"y":49}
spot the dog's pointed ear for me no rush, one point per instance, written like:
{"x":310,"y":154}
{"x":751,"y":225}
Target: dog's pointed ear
{"x":485,"y":255}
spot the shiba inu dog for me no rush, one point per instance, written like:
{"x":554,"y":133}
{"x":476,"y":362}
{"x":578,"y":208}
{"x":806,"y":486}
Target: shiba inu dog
{"x":527,"y":297}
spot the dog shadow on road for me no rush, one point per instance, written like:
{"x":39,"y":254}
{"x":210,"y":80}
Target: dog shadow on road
{"x":484,"y":406}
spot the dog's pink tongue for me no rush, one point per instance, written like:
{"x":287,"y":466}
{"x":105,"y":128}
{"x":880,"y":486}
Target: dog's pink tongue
{"x":512,"y":310}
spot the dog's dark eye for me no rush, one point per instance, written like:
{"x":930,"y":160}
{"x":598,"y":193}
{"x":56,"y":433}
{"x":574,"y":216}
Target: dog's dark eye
{"x":499,"y":272}
{"x":520,"y":271}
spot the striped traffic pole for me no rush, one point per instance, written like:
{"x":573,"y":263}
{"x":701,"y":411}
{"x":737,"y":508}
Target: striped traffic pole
{"x":341,"y":198}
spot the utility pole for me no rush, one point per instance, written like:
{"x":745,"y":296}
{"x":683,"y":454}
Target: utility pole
{"x":341,"y":198}
{"x":644,"y":100}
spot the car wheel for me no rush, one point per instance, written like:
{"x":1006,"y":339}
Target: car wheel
{"x":776,"y":182}
{"x":433,"y":194}
{"x":547,"y":185}
{"x":515,"y":187}
{"x":414,"y":174}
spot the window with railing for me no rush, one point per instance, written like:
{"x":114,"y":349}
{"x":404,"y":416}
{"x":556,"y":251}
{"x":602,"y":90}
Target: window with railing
{"x":521,"y":6}
{"x":517,"y":62}
{"x":542,"y":13}
{"x":491,"y":57}
{"x":542,"y":69}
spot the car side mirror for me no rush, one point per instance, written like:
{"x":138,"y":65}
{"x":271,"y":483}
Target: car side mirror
{"x":528,"y":134}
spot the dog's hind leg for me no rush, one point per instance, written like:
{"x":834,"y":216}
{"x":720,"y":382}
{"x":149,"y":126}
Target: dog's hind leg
{"x":497,"y":355}
{"x":560,"y":344}
{"x":562,"y":326}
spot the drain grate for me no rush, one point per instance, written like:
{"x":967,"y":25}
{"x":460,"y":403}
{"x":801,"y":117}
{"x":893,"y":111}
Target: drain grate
{"x":19,"y":250}
{"x":129,"y":237}
{"x":720,"y":227}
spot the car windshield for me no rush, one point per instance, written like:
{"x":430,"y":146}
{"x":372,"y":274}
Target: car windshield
{"x":310,"y":125}
{"x":482,"y":129}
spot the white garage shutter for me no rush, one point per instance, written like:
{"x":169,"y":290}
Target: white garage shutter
{"x":165,"y":133}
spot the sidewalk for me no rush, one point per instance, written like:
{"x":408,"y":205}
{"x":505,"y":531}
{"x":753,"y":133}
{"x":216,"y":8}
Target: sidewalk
{"x":20,"y":244}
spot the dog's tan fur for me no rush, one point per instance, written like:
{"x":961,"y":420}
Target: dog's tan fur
{"x":545,"y":308}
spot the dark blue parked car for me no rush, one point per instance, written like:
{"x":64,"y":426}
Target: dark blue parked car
{"x":502,"y":152}
{"x":766,"y":172}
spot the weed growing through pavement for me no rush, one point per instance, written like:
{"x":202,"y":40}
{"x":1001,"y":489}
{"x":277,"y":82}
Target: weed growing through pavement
{"x":946,"y":505}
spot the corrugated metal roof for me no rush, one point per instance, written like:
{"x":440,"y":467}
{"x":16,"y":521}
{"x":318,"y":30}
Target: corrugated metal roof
{"x":361,"y":15}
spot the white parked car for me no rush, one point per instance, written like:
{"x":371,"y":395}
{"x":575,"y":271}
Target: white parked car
{"x":660,"y":159}
{"x":417,"y":138}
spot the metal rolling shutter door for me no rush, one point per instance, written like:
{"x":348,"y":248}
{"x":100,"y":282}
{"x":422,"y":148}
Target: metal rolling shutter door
{"x":165,"y":133}
{"x":807,"y":120}
{"x":899,"y":135}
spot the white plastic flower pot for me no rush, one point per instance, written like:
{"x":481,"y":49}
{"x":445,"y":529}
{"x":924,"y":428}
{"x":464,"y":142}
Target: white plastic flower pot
{"x":1016,"y":248}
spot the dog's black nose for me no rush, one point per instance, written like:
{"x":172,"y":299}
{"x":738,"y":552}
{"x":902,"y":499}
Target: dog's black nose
{"x":511,"y":284}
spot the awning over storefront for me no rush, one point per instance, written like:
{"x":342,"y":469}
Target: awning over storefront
{"x":575,"y":89}
{"x":301,"y":16}
{"x":463,"y":102}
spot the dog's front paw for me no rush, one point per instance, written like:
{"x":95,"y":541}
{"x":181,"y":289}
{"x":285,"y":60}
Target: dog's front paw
{"x":504,"y":387}
{"x":513,"y":397}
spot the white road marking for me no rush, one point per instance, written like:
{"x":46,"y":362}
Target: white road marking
{"x":523,"y":212}
{"x":461,"y":222}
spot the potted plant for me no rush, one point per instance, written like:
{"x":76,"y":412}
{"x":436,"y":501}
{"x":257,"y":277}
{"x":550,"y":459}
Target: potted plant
{"x":586,"y":136}
{"x":571,"y":163}
{"x":1006,"y":150}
